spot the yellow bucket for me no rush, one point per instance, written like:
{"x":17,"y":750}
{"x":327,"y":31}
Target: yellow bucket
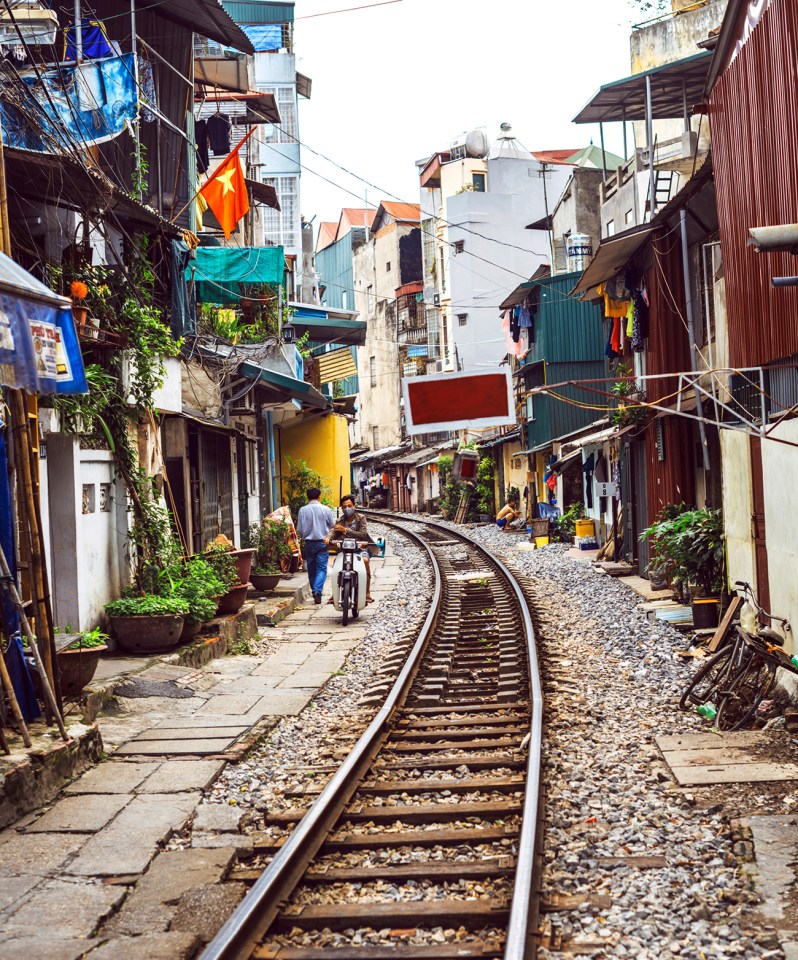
{"x":541,"y":541}
{"x":585,"y":528}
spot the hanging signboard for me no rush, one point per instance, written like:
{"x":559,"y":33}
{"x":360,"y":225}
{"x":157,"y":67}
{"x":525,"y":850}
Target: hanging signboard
{"x":607,"y":489}
{"x":458,"y":401}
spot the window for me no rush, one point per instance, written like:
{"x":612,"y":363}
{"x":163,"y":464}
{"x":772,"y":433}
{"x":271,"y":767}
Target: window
{"x":285,"y":131}
{"x":459,"y":246}
{"x":388,"y":267}
{"x":478,"y":182}
{"x":281,"y":227}
{"x":343,"y":299}
{"x":610,"y":228}
{"x":373,"y":371}
{"x":629,"y":216}
{"x":443,"y":271}
{"x":462,"y":319}
{"x":375,"y":436}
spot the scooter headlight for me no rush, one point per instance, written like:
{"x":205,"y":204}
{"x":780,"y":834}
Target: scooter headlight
{"x":349,"y":545}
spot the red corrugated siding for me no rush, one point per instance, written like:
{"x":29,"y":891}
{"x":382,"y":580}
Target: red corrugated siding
{"x":754,"y":124}
{"x":671,"y":480}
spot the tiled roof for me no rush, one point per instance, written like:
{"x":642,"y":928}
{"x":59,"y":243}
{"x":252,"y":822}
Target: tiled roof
{"x":553,"y":156}
{"x":326,"y":235}
{"x":403,"y":211}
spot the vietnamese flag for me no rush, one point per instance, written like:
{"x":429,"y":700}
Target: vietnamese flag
{"x":226,"y":192}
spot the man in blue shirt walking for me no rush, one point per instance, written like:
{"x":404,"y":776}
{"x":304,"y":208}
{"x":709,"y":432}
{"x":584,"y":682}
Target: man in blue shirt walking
{"x":314,"y":524}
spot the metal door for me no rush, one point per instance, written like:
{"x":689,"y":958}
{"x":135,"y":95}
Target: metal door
{"x":639,"y":549}
{"x":216,"y":485}
{"x":243,"y":487}
{"x":758,"y":532}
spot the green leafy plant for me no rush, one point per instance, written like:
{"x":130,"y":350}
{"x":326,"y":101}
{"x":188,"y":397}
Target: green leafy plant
{"x":200,"y":586}
{"x":223,"y":564}
{"x":484,"y":487}
{"x":627,"y":391}
{"x":147,"y":606}
{"x":268,"y":538}
{"x":688,"y":546}
{"x":89,"y":639}
{"x":83,"y":412}
{"x":565,"y":525}
{"x":296,"y":482}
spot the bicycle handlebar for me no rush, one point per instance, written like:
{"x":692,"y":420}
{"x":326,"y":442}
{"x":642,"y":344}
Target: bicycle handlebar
{"x":745,"y":588}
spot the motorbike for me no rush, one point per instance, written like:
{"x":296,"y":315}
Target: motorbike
{"x":349,"y":579}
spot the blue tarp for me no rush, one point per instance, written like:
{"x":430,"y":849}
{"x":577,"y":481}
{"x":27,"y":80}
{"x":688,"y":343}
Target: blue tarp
{"x":264,"y":36}
{"x":223,"y":274}
{"x":39,"y":349}
{"x":85,"y":104}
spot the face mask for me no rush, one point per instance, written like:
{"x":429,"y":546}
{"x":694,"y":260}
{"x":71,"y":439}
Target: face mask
{"x":349,"y":511}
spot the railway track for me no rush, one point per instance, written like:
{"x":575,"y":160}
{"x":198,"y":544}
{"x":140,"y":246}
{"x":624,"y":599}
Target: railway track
{"x":423,"y":842}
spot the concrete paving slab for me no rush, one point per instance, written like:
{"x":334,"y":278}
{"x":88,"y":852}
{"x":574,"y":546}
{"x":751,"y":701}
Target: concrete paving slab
{"x":109,"y":667}
{"x":270,"y":668}
{"x":204,"y":911}
{"x":232,"y":666}
{"x":285,"y":703}
{"x":735,"y":773}
{"x":228,"y":704}
{"x":776,"y":853}
{"x":64,"y":910}
{"x":37,"y":853}
{"x":165,"y":671}
{"x":304,"y":678}
{"x":113,"y":777}
{"x":84,"y":814}
{"x":34,"y":948}
{"x":255,"y":685}
{"x":216,"y":818}
{"x":178,"y":776}
{"x":128,"y":843}
{"x":239,"y":843}
{"x":220,"y":721}
{"x":186,"y":748}
{"x":191,"y":733}
{"x":700,"y":741}
{"x":150,"y":907}
{"x":154,"y":946}
{"x":14,"y":889}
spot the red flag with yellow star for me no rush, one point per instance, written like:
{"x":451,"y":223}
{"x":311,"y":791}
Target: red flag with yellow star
{"x":226,"y":192}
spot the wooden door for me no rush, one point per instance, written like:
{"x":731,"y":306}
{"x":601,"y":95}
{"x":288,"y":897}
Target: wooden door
{"x":758,"y":532}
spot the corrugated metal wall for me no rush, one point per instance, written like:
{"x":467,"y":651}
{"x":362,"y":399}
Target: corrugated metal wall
{"x":754,"y":123}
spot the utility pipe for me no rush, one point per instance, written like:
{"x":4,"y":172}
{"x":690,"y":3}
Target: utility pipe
{"x":688,"y":296}
{"x":78,"y":33}
{"x":652,"y":190}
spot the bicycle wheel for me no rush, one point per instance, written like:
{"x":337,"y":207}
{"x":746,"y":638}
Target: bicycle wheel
{"x":747,"y":689}
{"x":708,"y":679}
{"x":346,"y":601}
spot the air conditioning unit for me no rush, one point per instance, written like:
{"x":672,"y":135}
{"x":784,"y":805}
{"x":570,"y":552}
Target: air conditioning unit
{"x":436,"y":299}
{"x":244,"y":405}
{"x":436,"y":366}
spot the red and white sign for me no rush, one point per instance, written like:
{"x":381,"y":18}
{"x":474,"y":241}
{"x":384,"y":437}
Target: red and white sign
{"x":458,"y":401}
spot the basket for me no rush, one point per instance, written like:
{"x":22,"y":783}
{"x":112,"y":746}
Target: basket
{"x":539,"y":528}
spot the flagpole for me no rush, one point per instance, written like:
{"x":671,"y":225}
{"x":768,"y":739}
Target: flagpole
{"x":215,"y":172}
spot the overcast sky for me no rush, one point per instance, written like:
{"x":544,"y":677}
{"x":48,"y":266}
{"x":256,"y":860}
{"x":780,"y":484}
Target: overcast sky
{"x":395,"y":83}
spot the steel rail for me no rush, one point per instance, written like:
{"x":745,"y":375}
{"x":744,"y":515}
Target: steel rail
{"x":254,"y":915}
{"x":520,"y":944}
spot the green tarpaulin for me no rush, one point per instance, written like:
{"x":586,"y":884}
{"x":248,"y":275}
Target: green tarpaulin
{"x":220,"y":271}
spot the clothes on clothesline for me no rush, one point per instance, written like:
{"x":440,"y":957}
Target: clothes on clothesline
{"x":218,"y":127}
{"x":149,"y":95}
{"x":201,"y":136}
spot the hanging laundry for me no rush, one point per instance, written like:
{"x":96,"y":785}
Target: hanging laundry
{"x":524,"y":317}
{"x":602,"y":473}
{"x":515,"y":329}
{"x":640,"y":324}
{"x":219,"y":134}
{"x":612,"y":307}
{"x":94,"y":41}
{"x":615,"y":336}
{"x":201,"y":136}
{"x":609,"y":352}
{"x":147,"y":92}
{"x":630,"y":320}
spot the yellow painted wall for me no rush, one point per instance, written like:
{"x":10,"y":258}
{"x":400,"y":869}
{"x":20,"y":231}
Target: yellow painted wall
{"x":324,"y":444}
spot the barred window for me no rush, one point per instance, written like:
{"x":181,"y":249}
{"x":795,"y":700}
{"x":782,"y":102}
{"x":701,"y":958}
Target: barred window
{"x":281,"y":227}
{"x":286,"y":130}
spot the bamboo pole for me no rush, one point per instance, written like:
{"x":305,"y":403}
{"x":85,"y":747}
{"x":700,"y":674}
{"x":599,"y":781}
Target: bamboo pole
{"x":12,"y":699}
{"x":22,"y":441}
{"x":5,"y":574}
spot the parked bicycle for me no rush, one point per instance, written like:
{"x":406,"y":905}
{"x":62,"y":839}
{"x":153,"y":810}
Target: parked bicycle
{"x":739,"y":676}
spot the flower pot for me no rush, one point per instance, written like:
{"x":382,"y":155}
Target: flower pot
{"x":705,"y":612}
{"x":243,"y":559}
{"x":145,"y":634}
{"x":190,"y":629}
{"x":77,"y":667}
{"x":81,"y":314}
{"x":265,"y":581}
{"x":234,"y":599}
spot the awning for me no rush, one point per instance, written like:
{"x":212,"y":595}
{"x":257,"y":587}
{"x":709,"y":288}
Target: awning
{"x":261,"y":106}
{"x":670,"y":85}
{"x":224,"y":73}
{"x":221,"y":272}
{"x":208,"y":18}
{"x":592,"y":439}
{"x":569,"y":460}
{"x":377,"y":455}
{"x":521,"y":292}
{"x":285,"y":387}
{"x":263,"y":193}
{"x":325,"y":325}
{"x":39,"y":350}
{"x":612,"y":256}
{"x":209,"y":423}
{"x":512,"y":437}
{"x":304,"y":85}
{"x":65,"y":182}
{"x":336,"y":365}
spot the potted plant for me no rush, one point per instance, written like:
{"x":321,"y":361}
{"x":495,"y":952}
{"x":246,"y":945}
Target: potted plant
{"x":268,"y":539}
{"x":242,"y":557}
{"x":78,"y":660}
{"x":688,"y":546}
{"x":227,"y":564}
{"x":147,"y":623}
{"x":198,"y":583}
{"x":80,"y":311}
